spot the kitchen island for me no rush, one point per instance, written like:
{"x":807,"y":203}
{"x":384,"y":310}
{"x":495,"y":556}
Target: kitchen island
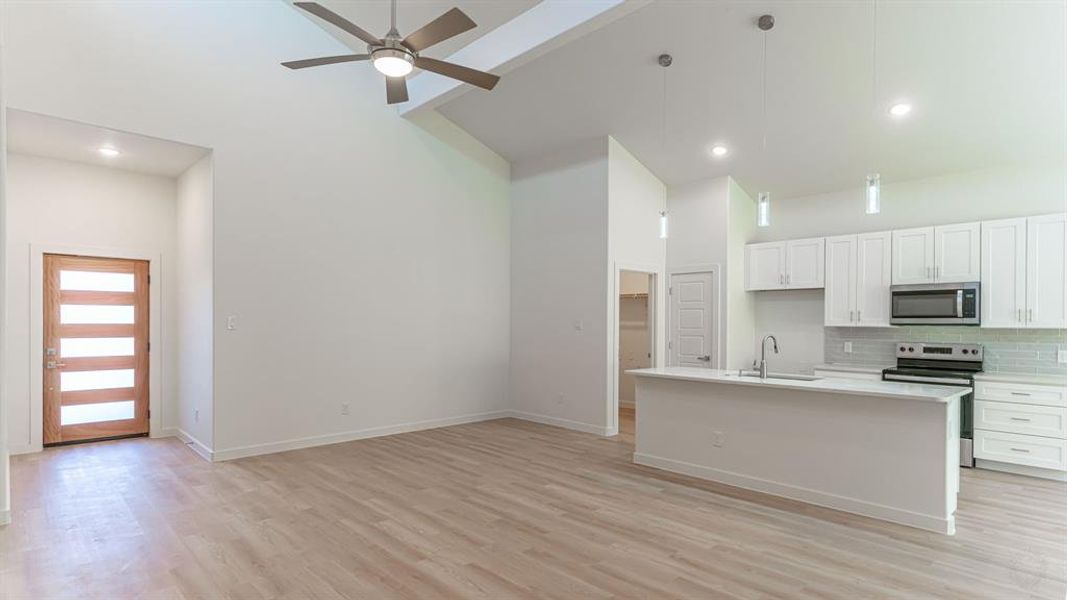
{"x":886,"y":450}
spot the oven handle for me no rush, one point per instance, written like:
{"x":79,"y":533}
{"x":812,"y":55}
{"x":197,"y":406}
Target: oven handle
{"x":959,"y":303}
{"x":938,"y":380}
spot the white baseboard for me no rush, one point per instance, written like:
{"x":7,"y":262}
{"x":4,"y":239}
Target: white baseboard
{"x":195,"y":445}
{"x":23,"y":449}
{"x":785,"y":490}
{"x":349,"y":436}
{"x":1027,"y":470}
{"x":166,"y":432}
{"x":565,"y":423}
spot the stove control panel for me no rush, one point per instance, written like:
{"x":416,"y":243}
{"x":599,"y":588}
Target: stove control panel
{"x":931,"y":351}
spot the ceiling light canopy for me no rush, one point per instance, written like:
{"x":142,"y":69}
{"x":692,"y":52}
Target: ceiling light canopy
{"x":108,"y":151}
{"x":718,"y":150}
{"x":900,"y":109}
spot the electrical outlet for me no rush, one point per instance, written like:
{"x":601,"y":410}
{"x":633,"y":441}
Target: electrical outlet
{"x":578,"y":325}
{"x":196,"y":415}
{"x":718,"y":438}
{"x":559,"y":399}
{"x":345,"y":408}
{"x":848,"y":347}
{"x":231,"y":323}
{"x":1061,"y":357}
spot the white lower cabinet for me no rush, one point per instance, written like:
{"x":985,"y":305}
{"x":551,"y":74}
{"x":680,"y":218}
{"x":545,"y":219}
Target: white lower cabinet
{"x":1021,"y":424}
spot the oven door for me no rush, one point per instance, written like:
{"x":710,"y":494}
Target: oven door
{"x":945,"y":304}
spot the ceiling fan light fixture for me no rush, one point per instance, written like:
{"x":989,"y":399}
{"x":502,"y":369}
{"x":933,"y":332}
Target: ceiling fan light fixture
{"x":392,"y":62}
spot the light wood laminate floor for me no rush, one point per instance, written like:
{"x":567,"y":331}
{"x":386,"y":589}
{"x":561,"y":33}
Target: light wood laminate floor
{"x":499,"y":509}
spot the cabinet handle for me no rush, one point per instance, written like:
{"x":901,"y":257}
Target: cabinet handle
{"x":1019,"y":315}
{"x":1030,"y":314}
{"x":1023,"y":419}
{"x":851,"y":316}
{"x":1020,"y":450}
{"x":1020,"y":394}
{"x":859,"y":316}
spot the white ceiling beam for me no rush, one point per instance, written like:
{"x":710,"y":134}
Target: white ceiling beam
{"x":546,"y":26}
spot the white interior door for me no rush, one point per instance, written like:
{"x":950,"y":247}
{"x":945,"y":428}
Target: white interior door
{"x":693,"y":320}
{"x":1004,"y":273}
{"x":1046,"y":271}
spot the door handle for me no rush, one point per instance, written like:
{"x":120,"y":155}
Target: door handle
{"x":705,"y":358}
{"x":54,"y":365}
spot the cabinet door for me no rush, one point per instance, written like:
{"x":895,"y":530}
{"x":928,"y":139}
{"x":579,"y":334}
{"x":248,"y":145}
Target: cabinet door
{"x":873,"y":278}
{"x":804,"y":263}
{"x":765,"y":266}
{"x":957,"y":253}
{"x":1046,"y":271}
{"x":840,"y":297}
{"x":1004,"y":273}
{"x":913,"y":256}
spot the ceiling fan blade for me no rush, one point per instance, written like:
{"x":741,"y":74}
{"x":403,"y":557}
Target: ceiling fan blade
{"x":472,"y":76}
{"x":329,"y":16}
{"x":325,"y":60}
{"x":450,"y":24}
{"x":396,"y":90}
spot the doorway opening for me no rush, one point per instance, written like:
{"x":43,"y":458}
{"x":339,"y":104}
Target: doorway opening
{"x":96,"y":345}
{"x":636,"y":342}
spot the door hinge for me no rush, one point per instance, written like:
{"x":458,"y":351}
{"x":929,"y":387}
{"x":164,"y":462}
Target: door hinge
{"x":149,"y":346}
{"x":670,"y":345}
{"x":150,"y":413}
{"x":149,"y":279}
{"x":670,"y":291}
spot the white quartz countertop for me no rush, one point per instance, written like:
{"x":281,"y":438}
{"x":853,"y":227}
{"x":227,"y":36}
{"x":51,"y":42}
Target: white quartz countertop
{"x":889,"y":389}
{"x":852,"y":368}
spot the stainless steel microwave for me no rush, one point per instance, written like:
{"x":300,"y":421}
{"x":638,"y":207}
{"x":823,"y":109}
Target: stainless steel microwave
{"x":936,"y":304}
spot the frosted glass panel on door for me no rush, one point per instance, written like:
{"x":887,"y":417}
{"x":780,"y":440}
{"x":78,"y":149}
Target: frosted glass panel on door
{"x":100,"y":314}
{"x":76,"y":381}
{"x":94,"y":281}
{"x":76,"y":414}
{"x":89,"y":347}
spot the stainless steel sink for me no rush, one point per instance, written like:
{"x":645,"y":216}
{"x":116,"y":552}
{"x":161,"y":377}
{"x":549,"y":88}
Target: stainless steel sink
{"x":788,"y":376}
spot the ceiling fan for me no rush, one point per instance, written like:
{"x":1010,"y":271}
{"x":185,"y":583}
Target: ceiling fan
{"x":394,"y":56}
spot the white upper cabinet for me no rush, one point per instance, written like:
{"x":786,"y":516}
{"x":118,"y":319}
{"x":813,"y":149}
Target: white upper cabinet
{"x":874,"y":256}
{"x":1004,"y":273}
{"x":839,"y":301}
{"x":945,"y":254}
{"x":804,"y":263}
{"x":913,"y":256}
{"x":765,"y":266}
{"x":858,"y":276}
{"x":795,"y":264}
{"x":957,"y":254}
{"x":1046,"y":271}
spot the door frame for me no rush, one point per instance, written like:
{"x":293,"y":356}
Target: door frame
{"x":656,"y":291}
{"x":716,"y":309}
{"x":36,"y":316}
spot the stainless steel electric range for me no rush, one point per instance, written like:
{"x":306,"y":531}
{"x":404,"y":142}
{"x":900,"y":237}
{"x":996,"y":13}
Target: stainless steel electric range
{"x":943,"y":364}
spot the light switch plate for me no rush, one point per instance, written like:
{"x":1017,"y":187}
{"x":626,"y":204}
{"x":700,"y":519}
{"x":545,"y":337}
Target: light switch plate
{"x":1062,"y":357}
{"x":848,"y":347}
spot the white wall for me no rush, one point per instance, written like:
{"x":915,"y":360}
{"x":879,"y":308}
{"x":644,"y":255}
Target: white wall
{"x":952,"y":198}
{"x":711,"y":220}
{"x":5,"y":496}
{"x":195,"y":316}
{"x":559,"y":274}
{"x":59,"y":203}
{"x":365,"y":256}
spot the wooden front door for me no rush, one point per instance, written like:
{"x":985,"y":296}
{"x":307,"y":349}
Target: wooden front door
{"x":95,"y":348}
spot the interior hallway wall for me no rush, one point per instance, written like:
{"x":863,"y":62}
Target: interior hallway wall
{"x":62,"y":203}
{"x":195,"y":309}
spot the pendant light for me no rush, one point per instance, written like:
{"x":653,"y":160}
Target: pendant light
{"x":874,"y":194}
{"x":763,"y":203}
{"x":663,"y":225}
{"x":664,"y":60}
{"x":763,"y":210}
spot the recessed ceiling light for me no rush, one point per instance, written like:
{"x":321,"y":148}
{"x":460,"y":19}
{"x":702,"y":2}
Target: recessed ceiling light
{"x":719,"y":150}
{"x":900,"y":109}
{"x":108,"y":151}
